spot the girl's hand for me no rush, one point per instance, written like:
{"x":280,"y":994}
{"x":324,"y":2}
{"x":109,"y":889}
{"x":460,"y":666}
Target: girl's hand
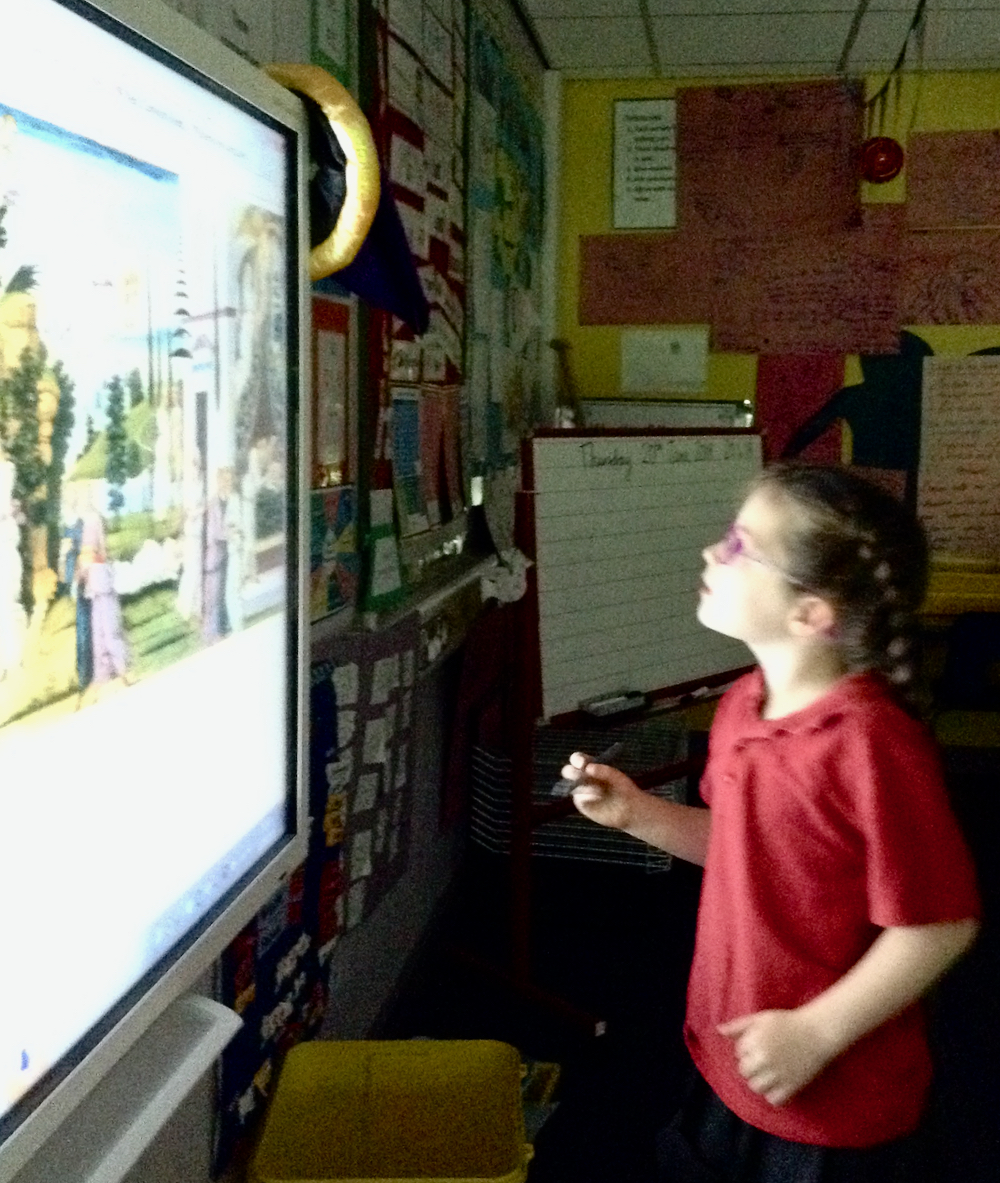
{"x":603,"y":794}
{"x":777,"y":1051}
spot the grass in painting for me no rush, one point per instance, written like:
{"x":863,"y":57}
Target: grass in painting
{"x":156,"y":633}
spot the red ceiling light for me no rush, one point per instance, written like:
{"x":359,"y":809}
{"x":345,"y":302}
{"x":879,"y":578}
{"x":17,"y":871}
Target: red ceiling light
{"x":881,"y":159}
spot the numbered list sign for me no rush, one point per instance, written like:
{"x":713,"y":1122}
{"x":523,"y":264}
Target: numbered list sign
{"x":645,"y":169}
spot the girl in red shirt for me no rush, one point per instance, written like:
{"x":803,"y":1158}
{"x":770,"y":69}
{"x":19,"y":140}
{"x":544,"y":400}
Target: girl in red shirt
{"x":837,"y":887}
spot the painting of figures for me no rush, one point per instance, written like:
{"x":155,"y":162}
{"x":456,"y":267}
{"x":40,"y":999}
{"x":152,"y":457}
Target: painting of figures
{"x":143,"y":409}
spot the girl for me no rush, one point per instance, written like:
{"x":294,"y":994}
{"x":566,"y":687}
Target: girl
{"x":837,"y":887}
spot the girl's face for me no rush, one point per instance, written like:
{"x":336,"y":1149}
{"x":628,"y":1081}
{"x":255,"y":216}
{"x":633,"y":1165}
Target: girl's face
{"x":744,"y":592}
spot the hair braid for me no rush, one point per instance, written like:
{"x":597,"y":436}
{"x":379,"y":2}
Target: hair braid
{"x":856,"y":545}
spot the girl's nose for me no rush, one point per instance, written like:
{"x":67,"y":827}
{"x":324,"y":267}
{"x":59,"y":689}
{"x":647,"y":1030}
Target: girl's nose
{"x":709,"y":553}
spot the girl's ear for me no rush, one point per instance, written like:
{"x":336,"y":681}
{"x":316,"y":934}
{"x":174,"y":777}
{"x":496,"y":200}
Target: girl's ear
{"x":812,"y":616}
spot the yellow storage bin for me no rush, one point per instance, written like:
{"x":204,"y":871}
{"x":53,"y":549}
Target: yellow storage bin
{"x":385,"y":1111}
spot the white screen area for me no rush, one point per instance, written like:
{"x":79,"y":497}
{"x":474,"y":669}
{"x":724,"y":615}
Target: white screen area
{"x":144,"y":477}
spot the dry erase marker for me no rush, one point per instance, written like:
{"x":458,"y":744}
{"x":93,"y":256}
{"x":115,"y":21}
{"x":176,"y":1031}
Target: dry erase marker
{"x":563,"y":788}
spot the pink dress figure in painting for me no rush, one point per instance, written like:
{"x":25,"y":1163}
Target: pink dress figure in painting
{"x":107,"y":633}
{"x":215,"y":619}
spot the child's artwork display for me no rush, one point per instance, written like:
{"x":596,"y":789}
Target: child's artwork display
{"x":363,"y":687}
{"x":333,"y":551}
{"x":506,"y":206}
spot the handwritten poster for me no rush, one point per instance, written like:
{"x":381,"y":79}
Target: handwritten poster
{"x":768,"y":159}
{"x":645,"y":164}
{"x":828,"y":293}
{"x":951,"y":179}
{"x":958,"y":492}
{"x":645,"y":279}
{"x":951,"y":277}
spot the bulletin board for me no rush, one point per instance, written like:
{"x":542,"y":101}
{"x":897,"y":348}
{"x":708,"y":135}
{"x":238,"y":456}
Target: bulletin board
{"x":860,"y":318}
{"x":504,"y":397}
{"x":456,"y":112}
{"x":414,"y":382}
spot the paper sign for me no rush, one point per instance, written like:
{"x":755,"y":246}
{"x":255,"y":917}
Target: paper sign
{"x":338,"y":773}
{"x":345,"y":727}
{"x":405,"y":82}
{"x":361,"y":855}
{"x":645,"y":279}
{"x":345,"y":683}
{"x":385,"y":678}
{"x":375,"y":738}
{"x":951,"y":179}
{"x":664,"y":360}
{"x":437,"y":47}
{"x":823,"y":293}
{"x":366,"y":795}
{"x":386,"y":576}
{"x":951,"y":277}
{"x":406,"y":21}
{"x":645,"y":164}
{"x":407,"y":166}
{"x":958,"y":495}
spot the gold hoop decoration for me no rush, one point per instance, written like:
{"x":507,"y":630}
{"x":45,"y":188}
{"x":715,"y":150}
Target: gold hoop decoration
{"x":361,"y":172}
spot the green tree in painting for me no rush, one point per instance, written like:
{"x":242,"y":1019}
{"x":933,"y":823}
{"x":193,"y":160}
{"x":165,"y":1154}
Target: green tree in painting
{"x":19,"y":434}
{"x":116,"y":468}
{"x":134,"y":384}
{"x":62,"y":425}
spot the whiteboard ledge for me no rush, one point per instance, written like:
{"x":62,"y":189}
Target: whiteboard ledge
{"x":106,"y":1135}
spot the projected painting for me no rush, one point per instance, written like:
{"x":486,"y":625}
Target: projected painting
{"x":142,"y":416}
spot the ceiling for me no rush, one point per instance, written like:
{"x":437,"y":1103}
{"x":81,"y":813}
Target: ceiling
{"x":685,"y":38}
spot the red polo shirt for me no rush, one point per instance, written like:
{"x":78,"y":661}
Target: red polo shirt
{"x":827,"y":826}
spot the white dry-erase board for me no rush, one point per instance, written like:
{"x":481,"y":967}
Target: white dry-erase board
{"x":620,"y":522}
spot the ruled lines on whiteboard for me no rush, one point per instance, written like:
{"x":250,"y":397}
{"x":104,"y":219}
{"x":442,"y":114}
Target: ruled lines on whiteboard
{"x":620,"y":524}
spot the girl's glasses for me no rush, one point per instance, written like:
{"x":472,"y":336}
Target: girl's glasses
{"x":731,"y":546}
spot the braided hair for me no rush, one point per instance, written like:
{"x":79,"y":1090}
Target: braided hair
{"x":859,"y":547}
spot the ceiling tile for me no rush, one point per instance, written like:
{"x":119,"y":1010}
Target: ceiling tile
{"x":580,"y":9}
{"x":957,"y":39}
{"x":879,"y":41}
{"x":599,"y":43}
{"x":783,"y":40}
{"x":714,"y":8}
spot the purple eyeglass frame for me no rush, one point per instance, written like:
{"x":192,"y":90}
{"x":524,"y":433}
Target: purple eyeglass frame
{"x":731,"y":546}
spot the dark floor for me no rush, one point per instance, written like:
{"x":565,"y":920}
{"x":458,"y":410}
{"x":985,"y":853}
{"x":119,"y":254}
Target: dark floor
{"x":616,"y":942}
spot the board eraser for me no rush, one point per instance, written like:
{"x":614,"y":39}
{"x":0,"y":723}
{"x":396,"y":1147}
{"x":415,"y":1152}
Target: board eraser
{"x":614,"y":704}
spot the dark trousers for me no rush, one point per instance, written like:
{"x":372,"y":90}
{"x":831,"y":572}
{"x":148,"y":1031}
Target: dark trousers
{"x":708,"y":1143}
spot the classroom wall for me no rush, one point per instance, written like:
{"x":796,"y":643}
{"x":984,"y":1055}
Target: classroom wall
{"x":934,"y":102}
{"x":940,"y":102}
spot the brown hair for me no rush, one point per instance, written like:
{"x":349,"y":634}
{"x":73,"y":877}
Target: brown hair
{"x":859,"y":547}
